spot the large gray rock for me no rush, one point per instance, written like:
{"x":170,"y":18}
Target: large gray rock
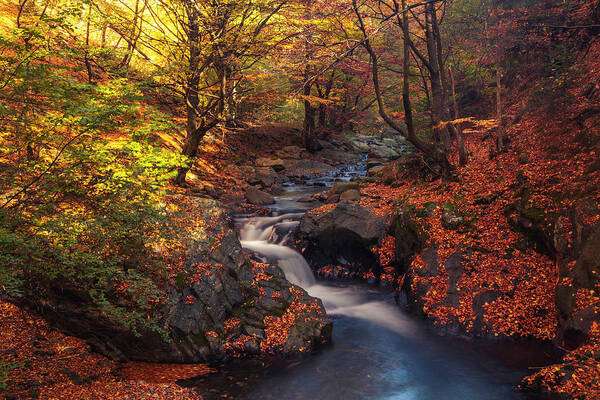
{"x":376,"y":170}
{"x":337,"y":156}
{"x":572,"y":238}
{"x":266,"y":176}
{"x":360,"y":146}
{"x":258,"y":197}
{"x":409,"y":236}
{"x":418,"y":285}
{"x":576,"y":239}
{"x":341,"y":235}
{"x":350,"y":195}
{"x":293,"y":152}
{"x":341,"y":187}
{"x":305,"y":169}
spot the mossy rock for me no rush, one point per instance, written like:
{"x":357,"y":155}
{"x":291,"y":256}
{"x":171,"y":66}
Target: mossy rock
{"x":410,"y":237}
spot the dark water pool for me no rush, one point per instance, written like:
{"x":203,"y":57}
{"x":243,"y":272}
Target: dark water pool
{"x":369,"y":361}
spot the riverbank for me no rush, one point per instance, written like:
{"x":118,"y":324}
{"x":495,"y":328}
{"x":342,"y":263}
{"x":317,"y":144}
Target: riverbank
{"x":503,"y":249}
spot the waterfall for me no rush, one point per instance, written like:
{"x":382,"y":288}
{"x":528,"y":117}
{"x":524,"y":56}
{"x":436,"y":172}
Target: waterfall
{"x":265,"y":236}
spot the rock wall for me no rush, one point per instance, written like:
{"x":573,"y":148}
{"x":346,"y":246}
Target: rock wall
{"x":220,"y":305}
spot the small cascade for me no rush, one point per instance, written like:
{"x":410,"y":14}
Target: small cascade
{"x":266,"y":237}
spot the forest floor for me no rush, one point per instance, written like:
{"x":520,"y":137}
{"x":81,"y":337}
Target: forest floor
{"x":40,"y":363}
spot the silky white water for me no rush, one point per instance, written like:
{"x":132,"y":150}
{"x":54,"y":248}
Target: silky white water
{"x":266,"y":237}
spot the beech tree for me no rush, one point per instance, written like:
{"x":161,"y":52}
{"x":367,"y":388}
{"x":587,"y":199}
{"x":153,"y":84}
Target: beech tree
{"x":428,"y":148}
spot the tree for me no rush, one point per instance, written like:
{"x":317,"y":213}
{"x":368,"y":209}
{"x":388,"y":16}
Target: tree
{"x":80,"y":209}
{"x":200,"y":50}
{"x":429,"y":149}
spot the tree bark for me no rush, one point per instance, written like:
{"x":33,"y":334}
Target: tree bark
{"x":500,"y":143}
{"x":194,"y":134}
{"x":88,"y":65}
{"x":463,"y":155}
{"x":500,"y":129}
{"x":408,"y":118}
{"x":437,"y":94}
{"x":309,"y":113}
{"x":446,"y":113}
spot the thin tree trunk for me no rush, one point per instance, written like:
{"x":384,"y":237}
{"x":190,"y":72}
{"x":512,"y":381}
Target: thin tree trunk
{"x":103,"y":41}
{"x":447,"y":115}
{"x":462,"y":150}
{"x":88,"y":65}
{"x":500,"y":129}
{"x":309,"y":113}
{"x":436,"y":85}
{"x":408,"y":118}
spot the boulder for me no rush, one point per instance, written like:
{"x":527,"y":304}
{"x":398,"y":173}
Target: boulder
{"x":350,"y":195}
{"x":215,"y":306}
{"x":583,"y":277}
{"x":258,"y":197}
{"x":418,"y":284}
{"x":451,"y":219}
{"x":572,"y":238}
{"x":332,"y":199}
{"x":293,"y":152}
{"x":409,"y":237}
{"x":305,"y":169}
{"x":267,"y":176}
{"x":373,"y":163}
{"x":341,"y":235}
{"x":204,"y":189}
{"x":383,"y":153}
{"x":360,"y":146}
{"x":275,"y":163}
{"x":376,"y":170}
{"x":341,"y":187}
{"x":336,"y":156}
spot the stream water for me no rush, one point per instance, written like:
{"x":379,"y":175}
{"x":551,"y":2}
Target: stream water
{"x":378,"y":351}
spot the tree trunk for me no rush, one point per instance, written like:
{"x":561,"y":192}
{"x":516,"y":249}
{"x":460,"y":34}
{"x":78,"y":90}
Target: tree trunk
{"x":194,"y":134}
{"x":447,"y":114}
{"x":309,"y":114}
{"x":88,"y":65}
{"x":408,"y":118}
{"x":500,"y":129}
{"x":190,"y":150}
{"x":462,"y":150}
{"x":435,"y":78}
{"x":323,"y":107}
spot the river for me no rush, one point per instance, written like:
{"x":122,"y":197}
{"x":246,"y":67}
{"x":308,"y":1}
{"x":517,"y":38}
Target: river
{"x":378,"y":352}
